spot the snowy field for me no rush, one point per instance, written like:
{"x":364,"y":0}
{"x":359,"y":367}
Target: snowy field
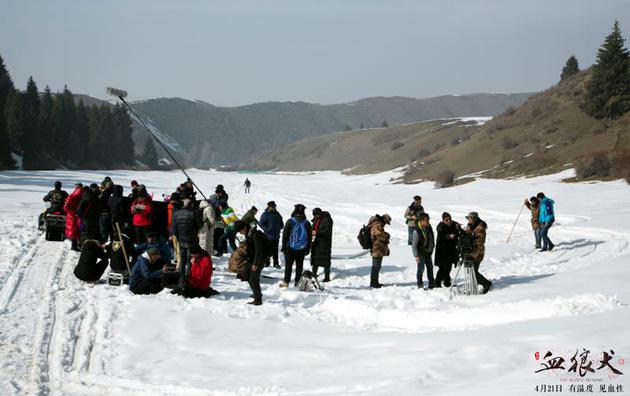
{"x":60,"y":336}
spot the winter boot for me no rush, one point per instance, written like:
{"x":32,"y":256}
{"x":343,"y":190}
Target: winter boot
{"x":283,"y":285}
{"x":255,"y":302}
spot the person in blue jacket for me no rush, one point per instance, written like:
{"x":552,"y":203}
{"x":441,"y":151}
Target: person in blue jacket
{"x":154,"y":241}
{"x":271,"y":224}
{"x":546,"y":217}
{"x":146,"y":274}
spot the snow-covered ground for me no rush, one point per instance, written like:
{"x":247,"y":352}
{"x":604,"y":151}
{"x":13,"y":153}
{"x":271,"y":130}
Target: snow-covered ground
{"x":60,"y":336}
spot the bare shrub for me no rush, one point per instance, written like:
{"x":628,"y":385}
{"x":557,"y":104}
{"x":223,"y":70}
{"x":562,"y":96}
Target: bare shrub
{"x":396,"y":146}
{"x":508,"y":143}
{"x":445,"y":179}
{"x":511,"y":110}
{"x":596,"y":164}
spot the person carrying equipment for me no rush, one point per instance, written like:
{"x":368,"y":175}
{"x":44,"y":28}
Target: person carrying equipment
{"x":296,"y":243}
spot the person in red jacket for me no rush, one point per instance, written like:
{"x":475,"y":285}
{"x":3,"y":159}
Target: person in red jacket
{"x":72,"y":220}
{"x":141,"y":210}
{"x":200,"y":275}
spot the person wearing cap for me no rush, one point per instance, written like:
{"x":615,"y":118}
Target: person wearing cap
{"x":154,"y":241}
{"x":257,"y":252}
{"x":271,"y":224}
{"x":446,"y":255}
{"x":380,"y":246}
{"x":72,"y":220}
{"x":220,"y":196}
{"x":422,"y":245}
{"x":412,"y":214}
{"x":228,"y":218}
{"x":57,"y":198}
{"x":296,"y":243}
{"x":250,"y":216}
{"x":322,"y":242}
{"x":477,"y":228}
{"x":146,"y":274}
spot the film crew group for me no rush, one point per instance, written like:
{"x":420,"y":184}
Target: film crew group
{"x":452,"y":246}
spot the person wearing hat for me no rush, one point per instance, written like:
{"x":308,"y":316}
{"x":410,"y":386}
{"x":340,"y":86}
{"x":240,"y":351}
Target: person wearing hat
{"x":134,"y":190}
{"x":72,"y":220}
{"x":154,"y":241}
{"x":206,"y":232}
{"x":296,"y":243}
{"x":146,"y":274}
{"x":228,"y":218}
{"x":380,"y":246}
{"x":271,"y":224}
{"x":533,"y":204}
{"x":198,"y":282}
{"x":185,"y":232}
{"x":219,"y":197}
{"x":322,"y":242}
{"x":250,"y":216}
{"x":446,"y":255}
{"x":57,"y":198}
{"x":477,"y":228}
{"x":257,"y":253}
{"x":423,"y":244}
{"x":412,"y":214}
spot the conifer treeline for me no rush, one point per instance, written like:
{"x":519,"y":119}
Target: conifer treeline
{"x":49,"y":130}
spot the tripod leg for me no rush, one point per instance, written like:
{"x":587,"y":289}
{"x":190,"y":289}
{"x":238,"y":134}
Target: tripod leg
{"x":459,"y":267}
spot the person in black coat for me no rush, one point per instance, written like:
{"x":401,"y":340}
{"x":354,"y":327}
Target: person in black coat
{"x":89,"y":211}
{"x":257,"y":254}
{"x":322,"y":242}
{"x":107,"y":190}
{"x":92,"y":262}
{"x":185,"y":232}
{"x":446,"y":254}
{"x":57,"y":199}
{"x":423,"y":244}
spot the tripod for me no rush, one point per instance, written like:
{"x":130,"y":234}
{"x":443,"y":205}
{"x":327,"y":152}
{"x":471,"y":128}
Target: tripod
{"x":470,"y":278}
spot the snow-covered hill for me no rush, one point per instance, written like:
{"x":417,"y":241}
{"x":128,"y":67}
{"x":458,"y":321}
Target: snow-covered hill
{"x":60,"y":336}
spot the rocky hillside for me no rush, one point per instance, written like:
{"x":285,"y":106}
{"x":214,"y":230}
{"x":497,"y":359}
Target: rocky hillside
{"x":229,"y":135}
{"x":547,"y":133}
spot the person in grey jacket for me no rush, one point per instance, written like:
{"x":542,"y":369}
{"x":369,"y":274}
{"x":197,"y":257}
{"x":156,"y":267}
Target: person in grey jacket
{"x":422,"y":245}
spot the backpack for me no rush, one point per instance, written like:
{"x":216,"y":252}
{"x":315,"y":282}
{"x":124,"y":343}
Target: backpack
{"x":299,"y":237}
{"x":365,"y":237}
{"x":549,"y":207}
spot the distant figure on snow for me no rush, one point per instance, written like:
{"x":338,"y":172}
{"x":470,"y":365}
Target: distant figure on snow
{"x":247,"y":185}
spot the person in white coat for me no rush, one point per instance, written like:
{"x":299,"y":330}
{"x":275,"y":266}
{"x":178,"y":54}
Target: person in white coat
{"x":206,"y":233}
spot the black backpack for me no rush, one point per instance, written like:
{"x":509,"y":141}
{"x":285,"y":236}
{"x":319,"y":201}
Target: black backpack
{"x":365,"y":237}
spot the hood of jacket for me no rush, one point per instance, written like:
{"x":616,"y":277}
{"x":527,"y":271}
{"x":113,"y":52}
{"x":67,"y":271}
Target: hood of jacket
{"x":204,"y":204}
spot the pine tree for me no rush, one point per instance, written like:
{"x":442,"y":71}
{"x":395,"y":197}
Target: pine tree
{"x":570,"y":68}
{"x":123,"y":142}
{"x":6,"y":88}
{"x":149,"y":154}
{"x":46,"y":120}
{"x":608,"y":91}
{"x":96,"y":138}
{"x":32,"y":139}
{"x":79,"y":155}
{"x":14,"y":121}
{"x":385,"y":124}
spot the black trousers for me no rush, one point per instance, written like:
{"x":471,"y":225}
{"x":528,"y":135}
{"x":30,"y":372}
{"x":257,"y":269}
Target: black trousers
{"x":444,"y":274}
{"x":107,"y":232}
{"x":480,"y":278}
{"x":273,"y":245}
{"x":148,"y":286}
{"x":316,"y":268}
{"x":253,"y":278}
{"x":376,"y":269}
{"x":297,"y":257}
{"x":141,"y":234}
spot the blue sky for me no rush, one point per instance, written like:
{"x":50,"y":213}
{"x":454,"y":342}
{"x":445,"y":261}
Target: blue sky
{"x":239,"y":52}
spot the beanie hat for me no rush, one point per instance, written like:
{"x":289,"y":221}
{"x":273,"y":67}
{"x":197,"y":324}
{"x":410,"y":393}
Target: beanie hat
{"x":153,"y":252}
{"x":57,"y":184}
{"x":387,"y":219}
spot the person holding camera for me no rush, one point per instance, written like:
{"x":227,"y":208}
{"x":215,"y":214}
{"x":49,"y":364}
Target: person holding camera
{"x":477,"y":229}
{"x":446,"y":249}
{"x":412,"y":215}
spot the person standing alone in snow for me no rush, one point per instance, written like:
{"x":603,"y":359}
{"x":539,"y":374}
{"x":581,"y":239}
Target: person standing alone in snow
{"x":546,"y":217}
{"x":247,"y":185}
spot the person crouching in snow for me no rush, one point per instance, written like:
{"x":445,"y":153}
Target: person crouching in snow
{"x":257,"y":253}
{"x":422,"y":245}
{"x":146,"y":274}
{"x":380,"y":246}
{"x":200,"y":277}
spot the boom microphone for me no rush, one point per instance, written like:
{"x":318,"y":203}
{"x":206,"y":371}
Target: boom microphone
{"x":116,"y":92}
{"x":122,"y":94}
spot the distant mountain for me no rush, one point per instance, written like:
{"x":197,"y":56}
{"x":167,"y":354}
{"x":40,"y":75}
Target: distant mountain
{"x":548,"y":133}
{"x":229,"y":135}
